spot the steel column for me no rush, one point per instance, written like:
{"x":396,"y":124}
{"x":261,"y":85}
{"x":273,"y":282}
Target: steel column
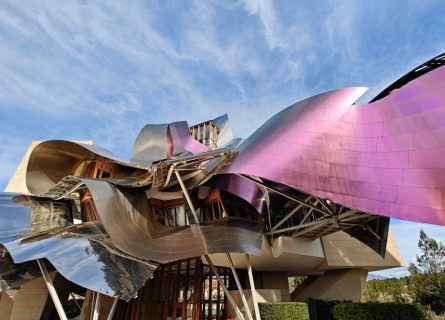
{"x":226,"y":291}
{"x":113,"y":309}
{"x":187,"y":197}
{"x":240,"y":289}
{"x":51,"y":289}
{"x":252,"y":288}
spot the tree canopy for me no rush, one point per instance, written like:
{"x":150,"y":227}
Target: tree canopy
{"x":432,"y":258}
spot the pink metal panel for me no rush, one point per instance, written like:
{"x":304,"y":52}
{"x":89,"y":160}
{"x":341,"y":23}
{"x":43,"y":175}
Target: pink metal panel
{"x":386,"y":157}
{"x":183,"y":141}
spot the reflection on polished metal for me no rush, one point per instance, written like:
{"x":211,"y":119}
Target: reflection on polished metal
{"x":223,"y":286}
{"x":252,"y":288}
{"x":240,"y":288}
{"x":52,"y":290}
{"x":320,"y":166}
{"x":131,"y":227}
{"x":26,"y":234}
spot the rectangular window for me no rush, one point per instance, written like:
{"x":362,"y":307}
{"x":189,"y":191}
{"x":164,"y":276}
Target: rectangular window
{"x":100,"y":168}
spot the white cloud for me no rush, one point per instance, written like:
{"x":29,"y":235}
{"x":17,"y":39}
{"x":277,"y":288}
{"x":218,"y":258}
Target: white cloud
{"x":268,"y":17}
{"x":10,"y":155}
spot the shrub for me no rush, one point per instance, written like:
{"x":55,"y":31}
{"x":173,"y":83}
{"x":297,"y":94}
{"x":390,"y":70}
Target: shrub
{"x":429,"y":290}
{"x":321,"y":309}
{"x":379,"y":311}
{"x":284,"y":311}
{"x":388,"y":290}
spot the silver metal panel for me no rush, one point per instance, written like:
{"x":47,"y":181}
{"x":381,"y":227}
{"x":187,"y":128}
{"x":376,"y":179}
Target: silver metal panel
{"x":126,"y":218}
{"x":31,"y":230}
{"x":85,"y":262}
{"x":225,"y":135}
{"x":51,"y":161}
{"x":13,"y":275}
{"x":150,"y":144}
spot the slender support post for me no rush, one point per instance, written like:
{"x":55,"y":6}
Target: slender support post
{"x":226,"y":291}
{"x":96,"y":306}
{"x":240,"y":290}
{"x":113,"y":309}
{"x":52,"y":290}
{"x":221,"y":283}
{"x":252,"y":288}
{"x":187,"y":197}
{"x":75,"y":301}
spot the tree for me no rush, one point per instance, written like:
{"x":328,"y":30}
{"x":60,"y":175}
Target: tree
{"x":432,"y":259}
{"x":428,"y":276}
{"x":429,"y":289}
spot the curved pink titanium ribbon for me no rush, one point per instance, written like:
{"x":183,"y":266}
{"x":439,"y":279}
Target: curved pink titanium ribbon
{"x":385,"y":157}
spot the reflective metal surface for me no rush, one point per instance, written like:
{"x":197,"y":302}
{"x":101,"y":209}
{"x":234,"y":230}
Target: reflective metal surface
{"x":249,"y":191}
{"x":31,"y":230}
{"x":13,"y":275}
{"x":161,"y":141}
{"x":125,"y":216}
{"x":131,"y":227}
{"x":150,"y":144}
{"x":183,"y":142}
{"x":225,"y":135}
{"x":51,"y":161}
{"x":384,"y":157}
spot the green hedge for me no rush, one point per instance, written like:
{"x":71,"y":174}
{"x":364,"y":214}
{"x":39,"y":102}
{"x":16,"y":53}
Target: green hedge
{"x":284,"y":311}
{"x":379,"y":311}
{"x":321,"y":309}
{"x":343,"y":311}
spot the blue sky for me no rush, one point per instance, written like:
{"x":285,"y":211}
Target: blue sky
{"x":101,"y":70}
